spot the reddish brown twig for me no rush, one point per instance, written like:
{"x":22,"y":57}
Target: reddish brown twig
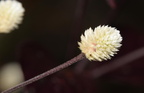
{"x":47,"y":73}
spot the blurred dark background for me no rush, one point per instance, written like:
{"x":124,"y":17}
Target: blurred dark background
{"x":48,"y":37}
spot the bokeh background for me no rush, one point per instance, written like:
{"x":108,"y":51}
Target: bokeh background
{"x":48,"y":37}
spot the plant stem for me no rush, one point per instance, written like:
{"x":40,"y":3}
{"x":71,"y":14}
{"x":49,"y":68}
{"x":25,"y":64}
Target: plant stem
{"x":47,"y":73}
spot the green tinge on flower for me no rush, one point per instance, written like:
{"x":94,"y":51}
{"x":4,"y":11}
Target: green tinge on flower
{"x":11,"y":14}
{"x":100,"y":44}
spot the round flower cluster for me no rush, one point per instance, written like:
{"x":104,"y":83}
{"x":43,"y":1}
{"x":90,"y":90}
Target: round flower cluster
{"x":100,"y":44}
{"x":11,"y":14}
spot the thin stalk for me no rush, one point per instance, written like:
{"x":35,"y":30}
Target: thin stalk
{"x":47,"y":73}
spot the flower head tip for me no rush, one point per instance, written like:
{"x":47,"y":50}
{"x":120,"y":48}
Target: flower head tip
{"x":100,"y":44}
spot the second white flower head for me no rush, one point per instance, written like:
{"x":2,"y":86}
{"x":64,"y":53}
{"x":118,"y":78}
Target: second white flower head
{"x":100,"y":44}
{"x":11,"y":15}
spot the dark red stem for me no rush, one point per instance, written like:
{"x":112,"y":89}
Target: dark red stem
{"x":47,"y":73}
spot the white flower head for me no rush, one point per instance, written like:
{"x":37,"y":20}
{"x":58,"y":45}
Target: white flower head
{"x":100,"y":44}
{"x":11,"y":15}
